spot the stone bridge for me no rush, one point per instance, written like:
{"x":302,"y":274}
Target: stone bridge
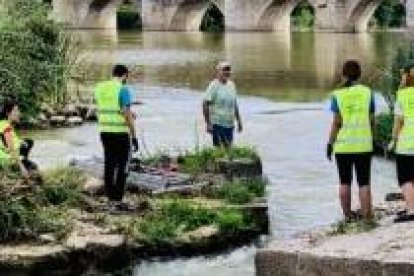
{"x":240,"y":15}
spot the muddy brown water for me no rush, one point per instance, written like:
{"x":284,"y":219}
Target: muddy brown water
{"x":283,"y":80}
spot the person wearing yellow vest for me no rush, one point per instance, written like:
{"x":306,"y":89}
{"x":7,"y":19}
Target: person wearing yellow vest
{"x":117,"y":130}
{"x":13,"y":150}
{"x":351,"y":139}
{"x":403,"y":142}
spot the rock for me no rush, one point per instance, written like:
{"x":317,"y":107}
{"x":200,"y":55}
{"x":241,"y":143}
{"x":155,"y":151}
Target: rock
{"x":47,"y":238}
{"x":70,"y":110}
{"x":203,"y":232}
{"x":42,"y":117}
{"x":394,"y":197}
{"x":74,"y":121}
{"x":93,"y":186}
{"x":57,"y":120}
{"x":386,"y":250}
{"x":242,"y":167}
{"x":47,"y":109}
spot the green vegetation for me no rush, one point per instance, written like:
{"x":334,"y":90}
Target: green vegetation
{"x":347,"y":228}
{"x":213,"y":20}
{"x":204,"y":160}
{"x":37,"y":58}
{"x":240,"y":191}
{"x":390,"y":14}
{"x":28,"y":210}
{"x":303,"y":16}
{"x":174,"y":218}
{"x":128,"y":17}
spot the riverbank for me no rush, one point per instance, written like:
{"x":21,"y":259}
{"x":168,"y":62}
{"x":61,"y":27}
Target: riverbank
{"x":202,"y":203}
{"x":381,"y":248}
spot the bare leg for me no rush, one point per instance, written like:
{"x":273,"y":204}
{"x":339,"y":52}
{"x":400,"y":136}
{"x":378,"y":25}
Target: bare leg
{"x":345,"y":198}
{"x":408,"y":191}
{"x":366,"y":201}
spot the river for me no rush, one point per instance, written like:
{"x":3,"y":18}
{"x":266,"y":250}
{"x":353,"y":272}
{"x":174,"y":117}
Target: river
{"x":283,"y":79}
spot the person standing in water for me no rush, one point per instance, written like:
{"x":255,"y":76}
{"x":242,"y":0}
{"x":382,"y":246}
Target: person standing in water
{"x":351,"y":139}
{"x":403,"y":142}
{"x":220,"y":107}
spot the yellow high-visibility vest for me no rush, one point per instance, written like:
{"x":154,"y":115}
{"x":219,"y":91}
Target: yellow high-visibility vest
{"x":355,"y":135}
{"x":110,"y":117}
{"x":405,"y":143}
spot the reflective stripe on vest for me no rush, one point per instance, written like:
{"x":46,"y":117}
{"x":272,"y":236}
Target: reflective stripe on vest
{"x":355,"y":134}
{"x":110,"y":117}
{"x":4,"y":152}
{"x":405,"y":143}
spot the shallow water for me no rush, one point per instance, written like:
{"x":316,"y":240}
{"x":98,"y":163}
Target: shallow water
{"x":283,"y":78}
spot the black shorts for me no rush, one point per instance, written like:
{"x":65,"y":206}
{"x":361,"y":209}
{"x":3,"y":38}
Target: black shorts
{"x":362,"y":164}
{"x":405,"y":168}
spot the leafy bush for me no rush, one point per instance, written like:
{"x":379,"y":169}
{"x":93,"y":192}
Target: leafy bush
{"x":231,"y":221}
{"x":204,"y":160}
{"x":62,"y":186}
{"x":36,"y":56}
{"x":177,"y":217}
{"x":240,"y":191}
{"x":383,"y":131}
{"x":391,"y":13}
{"x":14,"y":219}
{"x":303,"y":16}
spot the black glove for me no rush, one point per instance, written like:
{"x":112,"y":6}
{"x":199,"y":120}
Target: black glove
{"x":329,"y":151}
{"x":135,"y":144}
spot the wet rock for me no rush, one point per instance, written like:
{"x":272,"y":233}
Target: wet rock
{"x":47,"y":238}
{"x":242,"y":167}
{"x":70,"y":110}
{"x":204,"y":232}
{"x":57,"y":120}
{"x":74,"y":121}
{"x":394,"y":197}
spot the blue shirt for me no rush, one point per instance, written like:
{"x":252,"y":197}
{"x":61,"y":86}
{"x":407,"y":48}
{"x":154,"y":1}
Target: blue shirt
{"x":125,"y":99}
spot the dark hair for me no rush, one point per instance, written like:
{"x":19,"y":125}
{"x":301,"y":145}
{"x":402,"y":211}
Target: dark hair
{"x":119,"y":70}
{"x":7,"y":108}
{"x":352,"y":70}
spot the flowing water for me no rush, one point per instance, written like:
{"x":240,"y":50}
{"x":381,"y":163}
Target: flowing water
{"x":283,"y":79}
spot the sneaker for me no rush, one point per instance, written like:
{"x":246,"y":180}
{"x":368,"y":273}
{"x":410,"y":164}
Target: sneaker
{"x":404,"y":218}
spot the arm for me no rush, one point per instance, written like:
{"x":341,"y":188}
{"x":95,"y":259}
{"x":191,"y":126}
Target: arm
{"x":238,"y":118}
{"x":206,"y":113}
{"x":129,"y":118}
{"x":335,"y":127}
{"x":207,"y":102}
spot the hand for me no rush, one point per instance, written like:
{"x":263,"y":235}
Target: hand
{"x":135,"y":144}
{"x":209,"y":128}
{"x":329,"y":151}
{"x":240,"y":127}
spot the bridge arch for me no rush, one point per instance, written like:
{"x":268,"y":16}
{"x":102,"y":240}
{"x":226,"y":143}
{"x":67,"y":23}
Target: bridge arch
{"x":189,"y":14}
{"x":361,"y":12}
{"x":276,"y":14}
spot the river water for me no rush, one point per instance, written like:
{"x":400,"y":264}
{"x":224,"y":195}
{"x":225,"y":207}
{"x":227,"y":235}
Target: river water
{"x":283,"y":79}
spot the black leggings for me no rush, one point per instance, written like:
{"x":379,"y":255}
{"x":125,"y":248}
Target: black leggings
{"x":362,"y":164}
{"x":117,"y":149}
